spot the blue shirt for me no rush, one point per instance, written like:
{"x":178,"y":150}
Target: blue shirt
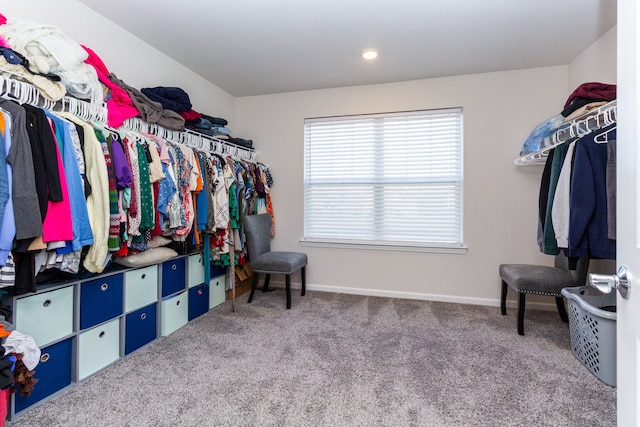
{"x":8,"y":231}
{"x":82,"y":234}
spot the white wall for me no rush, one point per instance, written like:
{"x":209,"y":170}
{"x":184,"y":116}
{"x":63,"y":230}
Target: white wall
{"x":500,"y":199}
{"x":132,"y":60}
{"x":597,"y":63}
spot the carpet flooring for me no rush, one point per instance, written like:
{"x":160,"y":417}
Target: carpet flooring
{"x":343,"y":360}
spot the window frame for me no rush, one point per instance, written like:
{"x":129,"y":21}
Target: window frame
{"x":456,"y":247}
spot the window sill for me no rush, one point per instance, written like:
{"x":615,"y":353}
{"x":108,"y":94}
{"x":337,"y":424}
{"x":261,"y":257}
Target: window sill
{"x":400,"y":247}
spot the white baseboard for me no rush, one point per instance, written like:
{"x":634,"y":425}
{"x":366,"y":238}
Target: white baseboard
{"x":533,"y":305}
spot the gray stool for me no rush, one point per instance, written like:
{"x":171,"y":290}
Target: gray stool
{"x":542,"y":280}
{"x":257,"y":229}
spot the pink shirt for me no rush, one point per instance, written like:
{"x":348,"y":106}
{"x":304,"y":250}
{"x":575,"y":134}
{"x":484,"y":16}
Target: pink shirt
{"x":57,"y":223}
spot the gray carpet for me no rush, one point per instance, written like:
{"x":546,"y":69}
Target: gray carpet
{"x":343,"y":360}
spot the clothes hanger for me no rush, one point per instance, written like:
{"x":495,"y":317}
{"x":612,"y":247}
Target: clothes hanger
{"x":15,"y":89}
{"x":603,"y":137}
{"x":78,"y":109}
{"x":25,"y":94}
{"x":583,"y":128}
{"x":47,"y":103}
{"x":610,"y":116}
{"x":86,"y":112}
{"x":36,"y":99}
{"x":21,"y":92}
{"x":3,"y":85}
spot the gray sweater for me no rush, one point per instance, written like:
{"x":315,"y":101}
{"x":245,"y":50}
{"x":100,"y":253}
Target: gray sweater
{"x":25,"y":198}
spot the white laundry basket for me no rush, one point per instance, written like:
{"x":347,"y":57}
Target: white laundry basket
{"x":592,"y":327}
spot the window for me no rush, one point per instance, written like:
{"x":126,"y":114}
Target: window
{"x":384,"y":180}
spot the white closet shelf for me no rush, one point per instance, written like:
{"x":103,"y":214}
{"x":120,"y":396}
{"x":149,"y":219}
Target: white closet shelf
{"x":192,"y":139}
{"x":26,"y":93}
{"x":583,"y":125}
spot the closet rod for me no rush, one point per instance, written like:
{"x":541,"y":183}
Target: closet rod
{"x":192,"y":139}
{"x":583,"y":125}
{"x":26,"y":93}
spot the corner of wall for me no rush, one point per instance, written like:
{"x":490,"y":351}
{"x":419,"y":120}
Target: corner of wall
{"x":597,"y":63}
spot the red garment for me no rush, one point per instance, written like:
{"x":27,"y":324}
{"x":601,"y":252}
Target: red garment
{"x":217,"y":239}
{"x":124,"y":250}
{"x":157,"y":230}
{"x":3,"y":19}
{"x":595,"y":91}
{"x":133,"y":205}
{"x":191,"y":115}
{"x":4,"y":404}
{"x":120,"y":106}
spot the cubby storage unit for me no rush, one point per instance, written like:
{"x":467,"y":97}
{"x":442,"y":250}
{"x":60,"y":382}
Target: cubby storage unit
{"x":141,"y":327}
{"x":198,"y":291}
{"x":195,"y":267}
{"x":141,"y":287}
{"x":98,"y":347}
{"x":141,"y":308}
{"x":53,"y":373}
{"x":46,"y":316}
{"x":217,"y":286}
{"x":100,"y":300}
{"x":173,"y":279}
{"x":174,"y":313}
{"x":85,"y":325}
{"x":198,"y":301}
{"x":175,"y":299}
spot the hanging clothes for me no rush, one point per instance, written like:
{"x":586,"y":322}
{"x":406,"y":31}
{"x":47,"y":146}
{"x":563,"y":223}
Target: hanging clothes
{"x":113,"y":240}
{"x":588,"y":231}
{"x":576,"y":193}
{"x":134,"y":217}
{"x":45,"y":159}
{"x":187,"y":183}
{"x":550,"y":246}
{"x":94,"y":191}
{"x":98,"y":201}
{"x":79,"y":218}
{"x":25,"y":196}
{"x":200,"y":195}
{"x":560,"y":209}
{"x":611,"y":185}
{"x":8,"y":230}
{"x":57,"y":224}
{"x":146,"y":193}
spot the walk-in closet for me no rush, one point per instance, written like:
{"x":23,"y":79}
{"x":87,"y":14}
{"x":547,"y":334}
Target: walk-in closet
{"x":303,"y":213}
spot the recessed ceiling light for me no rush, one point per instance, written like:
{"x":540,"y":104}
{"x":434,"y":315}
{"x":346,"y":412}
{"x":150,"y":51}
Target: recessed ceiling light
{"x":370,"y":54}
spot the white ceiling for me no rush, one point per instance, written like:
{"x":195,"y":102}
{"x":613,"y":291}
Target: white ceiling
{"x":254,"y":47}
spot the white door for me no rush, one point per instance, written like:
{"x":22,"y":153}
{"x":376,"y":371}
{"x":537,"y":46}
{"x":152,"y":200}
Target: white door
{"x":628,"y":208}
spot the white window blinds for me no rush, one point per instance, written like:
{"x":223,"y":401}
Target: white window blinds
{"x":390,"y":179}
